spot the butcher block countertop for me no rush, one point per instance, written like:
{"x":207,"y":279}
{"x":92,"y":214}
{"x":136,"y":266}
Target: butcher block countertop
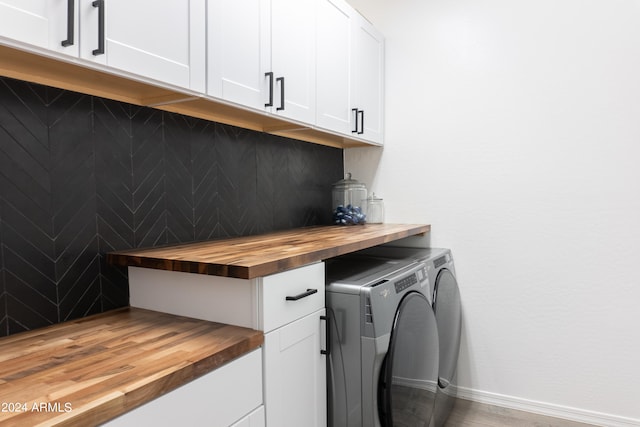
{"x":87,"y":371}
{"x":261,"y":255}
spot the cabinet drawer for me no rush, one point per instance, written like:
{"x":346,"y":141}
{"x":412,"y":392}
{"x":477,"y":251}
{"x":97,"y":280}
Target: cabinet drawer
{"x":217,"y":399}
{"x":291,"y":295}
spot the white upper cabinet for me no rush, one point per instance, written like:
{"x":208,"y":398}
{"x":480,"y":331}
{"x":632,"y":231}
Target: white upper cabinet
{"x":368,"y":81}
{"x":315,"y":63}
{"x":238,"y":51}
{"x":261,"y":54}
{"x":293,"y":58}
{"x":350,"y":81}
{"x":45,"y":24}
{"x":333,"y":80}
{"x":164,"y":40}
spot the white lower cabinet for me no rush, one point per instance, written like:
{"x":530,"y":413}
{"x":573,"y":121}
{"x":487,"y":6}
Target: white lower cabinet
{"x":254,"y":419}
{"x":289,"y":307}
{"x":295,"y":374}
{"x":228,"y":396}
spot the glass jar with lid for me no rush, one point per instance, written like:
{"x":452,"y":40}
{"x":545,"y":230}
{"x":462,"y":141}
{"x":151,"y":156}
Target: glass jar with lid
{"x":349,"y":201}
{"x":375,"y":209}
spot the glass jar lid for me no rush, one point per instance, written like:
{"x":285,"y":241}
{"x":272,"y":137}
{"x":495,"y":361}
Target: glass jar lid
{"x":348,"y":183}
{"x":373,"y":198}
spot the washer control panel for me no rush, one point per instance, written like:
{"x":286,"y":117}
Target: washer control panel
{"x":405,"y":283}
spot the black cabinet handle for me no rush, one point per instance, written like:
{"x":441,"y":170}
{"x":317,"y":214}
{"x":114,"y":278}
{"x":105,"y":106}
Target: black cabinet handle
{"x":70,"y":26}
{"x":359,"y":116}
{"x":355,"y":115}
{"x":100,"y":5}
{"x":270,"y":75}
{"x":327,"y":349}
{"x":302,"y":295}
{"x":281,"y":80}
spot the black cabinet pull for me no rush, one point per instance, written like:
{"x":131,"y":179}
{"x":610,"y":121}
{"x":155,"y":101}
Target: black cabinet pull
{"x":355,"y":115}
{"x":281,"y":80}
{"x":70,"y":26}
{"x":270,"y":75}
{"x":100,"y":5}
{"x":302,"y":295}
{"x":359,"y":116}
{"x":327,"y":349}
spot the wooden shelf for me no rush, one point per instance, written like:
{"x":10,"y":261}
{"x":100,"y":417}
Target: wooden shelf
{"x":72,"y":75}
{"x":261,"y":255}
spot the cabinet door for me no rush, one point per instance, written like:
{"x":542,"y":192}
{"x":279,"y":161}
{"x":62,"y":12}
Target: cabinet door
{"x":238,"y":51}
{"x":295,"y":374}
{"x":164,"y":41}
{"x":293,"y":58}
{"x":40,"y":23}
{"x":333,"y":91}
{"x":368,"y":79}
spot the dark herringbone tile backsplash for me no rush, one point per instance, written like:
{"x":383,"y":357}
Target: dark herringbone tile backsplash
{"x":81,"y":176}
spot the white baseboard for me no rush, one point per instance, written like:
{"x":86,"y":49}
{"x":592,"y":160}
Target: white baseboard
{"x":548,"y":409}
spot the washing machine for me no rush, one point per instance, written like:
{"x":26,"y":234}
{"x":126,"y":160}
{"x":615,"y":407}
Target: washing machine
{"x":383,"y":355}
{"x":444,"y":296}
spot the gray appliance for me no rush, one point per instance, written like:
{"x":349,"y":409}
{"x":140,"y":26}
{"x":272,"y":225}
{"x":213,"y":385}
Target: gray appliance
{"x":383,"y":356}
{"x":445,"y":299}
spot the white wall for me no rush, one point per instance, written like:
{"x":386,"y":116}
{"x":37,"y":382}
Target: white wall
{"x":513,"y":127}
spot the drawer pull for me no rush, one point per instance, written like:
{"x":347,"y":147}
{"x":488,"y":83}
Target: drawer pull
{"x":302,"y":295}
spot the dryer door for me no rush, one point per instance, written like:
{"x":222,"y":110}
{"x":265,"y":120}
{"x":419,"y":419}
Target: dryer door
{"x":408,"y":378}
{"x":446,"y":306}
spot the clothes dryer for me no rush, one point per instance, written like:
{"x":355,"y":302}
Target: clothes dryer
{"x":383,"y":359}
{"x":444,"y":296}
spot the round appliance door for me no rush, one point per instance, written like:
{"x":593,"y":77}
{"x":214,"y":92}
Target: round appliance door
{"x":447,"y":309}
{"x":408,"y":378}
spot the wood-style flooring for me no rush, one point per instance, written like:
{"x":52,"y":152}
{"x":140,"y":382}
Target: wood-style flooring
{"x":466,"y":414}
